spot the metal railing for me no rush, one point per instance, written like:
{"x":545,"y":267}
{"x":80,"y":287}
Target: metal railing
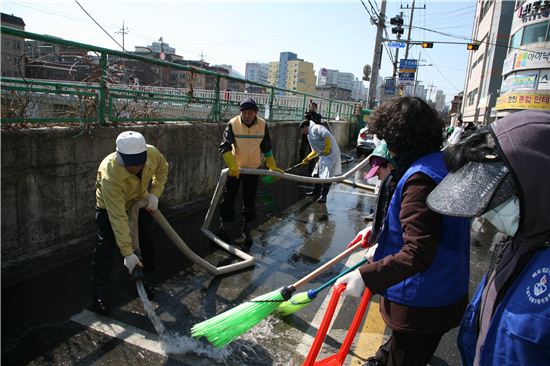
{"x":105,"y":99}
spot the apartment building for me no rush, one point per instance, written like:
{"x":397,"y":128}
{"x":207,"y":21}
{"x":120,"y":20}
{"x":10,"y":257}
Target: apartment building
{"x":13,"y":48}
{"x":300,"y":76}
{"x":527,"y":66}
{"x":484,"y":74}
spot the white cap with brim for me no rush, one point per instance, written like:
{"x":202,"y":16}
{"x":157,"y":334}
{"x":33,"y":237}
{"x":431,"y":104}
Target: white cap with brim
{"x":472,"y":190}
{"x":131,"y":148}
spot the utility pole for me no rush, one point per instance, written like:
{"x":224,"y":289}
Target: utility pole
{"x":410,"y":27}
{"x":377,"y":58}
{"x":123,"y":31}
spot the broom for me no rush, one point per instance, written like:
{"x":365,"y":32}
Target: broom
{"x":269,"y":179}
{"x":303,"y":299}
{"x":225,"y":327}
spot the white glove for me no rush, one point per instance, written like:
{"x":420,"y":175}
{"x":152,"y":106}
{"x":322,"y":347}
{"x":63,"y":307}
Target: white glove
{"x":131,"y":261}
{"x":370,"y":252}
{"x":153,"y":203}
{"x":355,"y":286}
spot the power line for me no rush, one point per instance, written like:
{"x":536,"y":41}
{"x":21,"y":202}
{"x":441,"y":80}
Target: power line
{"x":99,"y":25}
{"x":367,"y":9}
{"x":440,"y":73}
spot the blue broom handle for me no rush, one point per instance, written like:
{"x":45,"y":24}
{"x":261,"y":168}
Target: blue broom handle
{"x":352,"y":268}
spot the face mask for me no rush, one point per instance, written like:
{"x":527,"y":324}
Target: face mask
{"x":505,"y":217}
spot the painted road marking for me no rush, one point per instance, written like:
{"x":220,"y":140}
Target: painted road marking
{"x":127,"y":333}
{"x":371,"y":334}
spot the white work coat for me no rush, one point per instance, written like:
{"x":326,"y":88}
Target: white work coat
{"x":328,"y":165}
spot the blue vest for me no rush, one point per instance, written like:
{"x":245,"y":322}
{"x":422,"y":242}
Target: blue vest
{"x":519,"y":333}
{"x":446,"y":281}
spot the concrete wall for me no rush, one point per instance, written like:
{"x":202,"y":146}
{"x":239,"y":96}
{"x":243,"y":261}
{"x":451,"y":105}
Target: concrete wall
{"x":48,"y":176}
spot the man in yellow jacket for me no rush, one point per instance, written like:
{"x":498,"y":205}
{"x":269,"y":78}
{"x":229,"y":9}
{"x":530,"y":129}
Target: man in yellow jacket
{"x":124,"y":177}
{"x":245,"y":138}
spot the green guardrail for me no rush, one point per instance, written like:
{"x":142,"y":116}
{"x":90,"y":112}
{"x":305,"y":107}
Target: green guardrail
{"x":102,"y":101}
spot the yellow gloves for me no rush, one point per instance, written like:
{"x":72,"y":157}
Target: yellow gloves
{"x":231,"y":163}
{"x":308,"y":158}
{"x":271,"y":164}
{"x":328,"y":141}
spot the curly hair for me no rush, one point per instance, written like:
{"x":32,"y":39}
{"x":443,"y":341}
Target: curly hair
{"x":408,"y":123}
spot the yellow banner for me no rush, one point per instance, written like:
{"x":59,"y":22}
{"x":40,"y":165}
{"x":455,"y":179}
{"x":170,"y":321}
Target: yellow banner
{"x":523,"y":101}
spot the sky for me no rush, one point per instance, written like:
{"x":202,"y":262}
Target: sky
{"x":330,"y":34}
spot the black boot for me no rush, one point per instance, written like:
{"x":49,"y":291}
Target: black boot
{"x":99,"y":304}
{"x":316,"y":192}
{"x":324,"y":193}
{"x":224,"y":235}
{"x":246,"y":234}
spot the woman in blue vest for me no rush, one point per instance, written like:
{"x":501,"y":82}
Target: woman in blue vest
{"x":421,"y":265}
{"x":502,"y":173}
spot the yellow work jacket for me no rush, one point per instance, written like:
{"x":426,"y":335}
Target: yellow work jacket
{"x":247,"y":142}
{"x":117,"y":190}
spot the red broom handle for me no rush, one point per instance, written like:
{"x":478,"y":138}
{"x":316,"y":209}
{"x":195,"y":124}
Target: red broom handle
{"x":355,"y":243}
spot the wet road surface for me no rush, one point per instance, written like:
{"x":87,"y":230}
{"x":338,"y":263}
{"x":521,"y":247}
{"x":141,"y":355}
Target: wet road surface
{"x":45,"y":320}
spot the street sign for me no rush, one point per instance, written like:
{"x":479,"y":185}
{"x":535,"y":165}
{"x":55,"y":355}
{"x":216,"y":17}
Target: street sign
{"x":407,"y":65}
{"x":396,"y":44}
{"x":406,"y":78}
{"x":323,"y":72}
{"x":389,"y":86}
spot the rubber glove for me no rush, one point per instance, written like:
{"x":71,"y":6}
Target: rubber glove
{"x":308,"y":158}
{"x":231,"y":163}
{"x":130,"y":261}
{"x":362,"y":236}
{"x":152,"y":203}
{"x":355,"y":286}
{"x":326,"y":150}
{"x":371,"y":251}
{"x":270,"y":161}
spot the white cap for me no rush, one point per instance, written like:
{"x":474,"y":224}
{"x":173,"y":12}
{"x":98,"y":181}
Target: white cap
{"x":130,"y":142}
{"x":131,"y":148}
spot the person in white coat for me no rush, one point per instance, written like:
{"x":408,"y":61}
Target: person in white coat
{"x":324,"y":145}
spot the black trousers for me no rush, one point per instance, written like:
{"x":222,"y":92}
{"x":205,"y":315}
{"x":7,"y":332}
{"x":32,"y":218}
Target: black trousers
{"x":406,"y":349}
{"x":106,"y":247}
{"x":227,"y":205}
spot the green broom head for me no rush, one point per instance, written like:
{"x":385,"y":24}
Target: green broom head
{"x":269,"y":179}
{"x":225,"y":327}
{"x":296,"y":302}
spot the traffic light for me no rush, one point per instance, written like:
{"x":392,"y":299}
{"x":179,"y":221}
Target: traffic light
{"x":427,"y":45}
{"x":398,"y":22}
{"x":472,"y":46}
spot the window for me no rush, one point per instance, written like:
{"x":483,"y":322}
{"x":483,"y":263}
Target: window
{"x":485,"y":8}
{"x":534,"y":33}
{"x":472,"y":96}
{"x":515,"y":41}
{"x":476,"y":62}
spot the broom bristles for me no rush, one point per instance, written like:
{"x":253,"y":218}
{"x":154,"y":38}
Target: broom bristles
{"x":297,"y":302}
{"x":268,"y":179}
{"x":225,"y":327}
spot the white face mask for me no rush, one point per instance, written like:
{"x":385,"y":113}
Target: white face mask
{"x":505,"y":217}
